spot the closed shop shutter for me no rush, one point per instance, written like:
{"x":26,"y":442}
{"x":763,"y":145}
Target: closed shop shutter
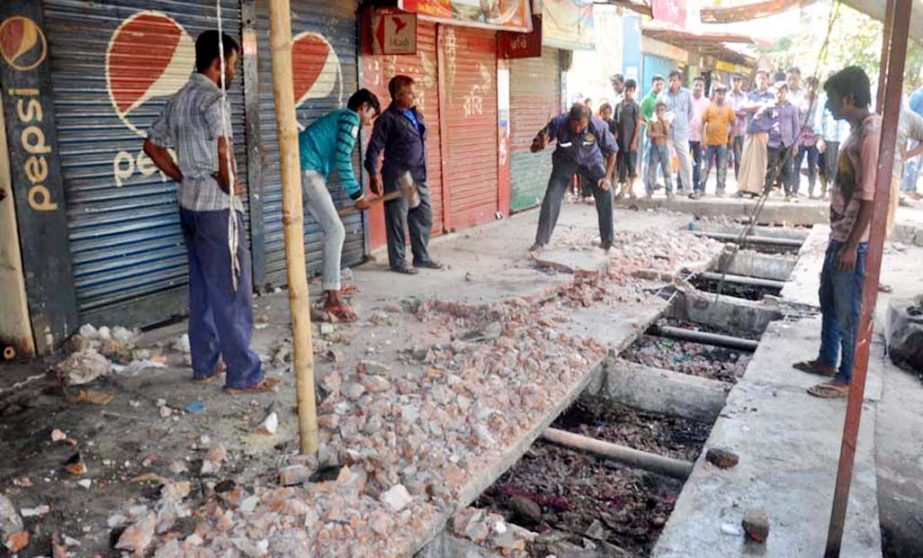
{"x":113,"y":68}
{"x":653,"y":66}
{"x":377,"y":70}
{"x":324,"y":70}
{"x":535,"y":97}
{"x":468,"y":71}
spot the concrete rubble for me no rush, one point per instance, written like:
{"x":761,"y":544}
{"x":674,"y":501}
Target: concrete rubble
{"x":904,"y":332}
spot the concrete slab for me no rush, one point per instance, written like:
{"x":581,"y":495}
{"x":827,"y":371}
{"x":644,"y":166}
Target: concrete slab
{"x":727,"y":312}
{"x":803,"y":283}
{"x":755,"y":264}
{"x":662,"y":391}
{"x":808,"y":212}
{"x":789,"y":444}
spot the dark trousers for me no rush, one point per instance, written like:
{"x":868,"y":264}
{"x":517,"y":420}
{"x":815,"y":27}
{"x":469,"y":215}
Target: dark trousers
{"x":840,"y":302}
{"x":561,"y":176}
{"x":828,"y":166}
{"x":398,"y":218}
{"x":695,"y":147}
{"x":812,"y":154}
{"x":220,"y":319}
{"x":779,"y":166}
{"x":737,"y":150}
{"x":716,"y":156}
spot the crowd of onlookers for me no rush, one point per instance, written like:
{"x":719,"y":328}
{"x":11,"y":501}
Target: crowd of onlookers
{"x":774,"y":132}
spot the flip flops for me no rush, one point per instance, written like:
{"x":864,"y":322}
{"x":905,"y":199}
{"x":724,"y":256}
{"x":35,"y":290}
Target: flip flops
{"x":830,"y":390}
{"x":219,"y":371}
{"x":341,"y":312}
{"x":812,"y":367}
{"x":266,"y":385}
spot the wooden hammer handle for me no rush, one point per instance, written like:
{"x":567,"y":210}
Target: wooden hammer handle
{"x":349,"y":210}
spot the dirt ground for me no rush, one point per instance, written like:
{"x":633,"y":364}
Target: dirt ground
{"x":593,"y":503}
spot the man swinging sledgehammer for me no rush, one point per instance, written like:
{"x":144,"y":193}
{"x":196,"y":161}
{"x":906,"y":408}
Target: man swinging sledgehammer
{"x":585,"y":146}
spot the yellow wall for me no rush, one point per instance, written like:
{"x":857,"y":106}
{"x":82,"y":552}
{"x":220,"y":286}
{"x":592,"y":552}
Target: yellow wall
{"x":15,"y":327}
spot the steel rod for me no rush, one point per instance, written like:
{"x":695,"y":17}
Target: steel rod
{"x":743,"y":280}
{"x":793,"y":242}
{"x":706,"y":338}
{"x":666,"y":466}
{"x":898,"y":31}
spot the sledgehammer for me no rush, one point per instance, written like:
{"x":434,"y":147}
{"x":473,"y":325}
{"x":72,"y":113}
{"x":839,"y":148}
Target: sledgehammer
{"x":406,"y":187}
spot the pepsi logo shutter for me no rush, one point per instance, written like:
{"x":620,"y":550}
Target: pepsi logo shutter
{"x":535,"y":97}
{"x":114,"y":65}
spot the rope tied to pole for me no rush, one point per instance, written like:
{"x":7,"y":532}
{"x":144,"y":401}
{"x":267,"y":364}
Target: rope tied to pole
{"x":233,"y":224}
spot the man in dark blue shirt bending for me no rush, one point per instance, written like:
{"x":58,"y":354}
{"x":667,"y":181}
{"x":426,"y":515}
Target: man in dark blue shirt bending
{"x":585,"y":146}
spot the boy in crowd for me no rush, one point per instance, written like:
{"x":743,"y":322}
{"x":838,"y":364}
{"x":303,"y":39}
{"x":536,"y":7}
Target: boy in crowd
{"x":717,"y":122}
{"x":627,"y":124}
{"x":658,"y":131}
{"x":327,"y":145}
{"x":647,"y":114}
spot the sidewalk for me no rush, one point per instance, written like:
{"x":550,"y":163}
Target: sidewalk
{"x":445,"y":382}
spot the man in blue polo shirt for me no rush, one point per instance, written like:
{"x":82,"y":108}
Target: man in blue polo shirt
{"x":325,"y":146}
{"x":584,"y":146}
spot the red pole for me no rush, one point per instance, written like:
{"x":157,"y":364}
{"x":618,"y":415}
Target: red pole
{"x":894,"y":74}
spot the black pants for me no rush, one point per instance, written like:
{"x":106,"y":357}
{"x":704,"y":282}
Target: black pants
{"x":779,"y":165}
{"x":420,"y":222}
{"x":828,"y":165}
{"x":561,"y":176}
{"x":737,"y":150}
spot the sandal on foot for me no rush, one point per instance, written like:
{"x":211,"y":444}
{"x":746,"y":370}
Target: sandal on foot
{"x":830,"y":390}
{"x":266,"y":385}
{"x":342,"y":312}
{"x":406,"y":269}
{"x":219,"y":371}
{"x":348,"y":289}
{"x":812,"y":367}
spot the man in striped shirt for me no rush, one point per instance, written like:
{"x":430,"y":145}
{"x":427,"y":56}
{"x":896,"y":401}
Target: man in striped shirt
{"x":220,"y":315}
{"x":326,"y":146}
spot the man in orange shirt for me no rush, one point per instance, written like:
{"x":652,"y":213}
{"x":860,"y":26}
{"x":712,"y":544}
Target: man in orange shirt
{"x":716,"y":125}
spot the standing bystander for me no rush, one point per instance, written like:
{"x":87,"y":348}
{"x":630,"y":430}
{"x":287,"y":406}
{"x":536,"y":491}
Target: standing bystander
{"x":808,"y":138}
{"x":700,"y":102}
{"x":658,"y":130}
{"x":851,"y":208}
{"x":628,"y":123}
{"x":647,"y":113}
{"x":736,"y":100}
{"x":678,"y":100}
{"x":754,"y":157}
{"x":220,"y":312}
{"x":781,"y":119}
{"x":717,"y":122}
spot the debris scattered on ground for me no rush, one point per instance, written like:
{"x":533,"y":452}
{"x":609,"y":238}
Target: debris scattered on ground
{"x":269,"y":425}
{"x":706,"y":361}
{"x":82,"y":367}
{"x":58,"y":436}
{"x":181,"y":344}
{"x":904,"y":333}
{"x":722,"y":458}
{"x":756,"y":525}
{"x":212,"y":462}
{"x":195,"y":407}
{"x":75,"y":465}
{"x":11,"y":526}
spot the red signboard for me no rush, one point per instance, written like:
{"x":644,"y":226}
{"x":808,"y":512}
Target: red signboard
{"x":394,"y":32}
{"x":504,"y":15}
{"x":522,"y":45}
{"x":670,"y":11}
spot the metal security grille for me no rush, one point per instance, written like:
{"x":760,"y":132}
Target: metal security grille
{"x":114,"y":65}
{"x":324,"y":60}
{"x":468,"y":71}
{"x":535,"y":97}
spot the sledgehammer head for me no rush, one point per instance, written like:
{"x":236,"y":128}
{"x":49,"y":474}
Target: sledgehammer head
{"x":408,"y":187}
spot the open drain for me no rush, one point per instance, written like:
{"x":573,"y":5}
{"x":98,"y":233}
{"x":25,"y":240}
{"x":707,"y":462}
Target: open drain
{"x":582,"y":503}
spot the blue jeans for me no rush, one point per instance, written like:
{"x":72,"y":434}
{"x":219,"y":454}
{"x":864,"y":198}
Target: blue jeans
{"x":659,"y":155}
{"x":813,"y":156}
{"x":220,"y":319}
{"x":840,"y":302}
{"x":717,"y":153}
{"x":911,"y":173}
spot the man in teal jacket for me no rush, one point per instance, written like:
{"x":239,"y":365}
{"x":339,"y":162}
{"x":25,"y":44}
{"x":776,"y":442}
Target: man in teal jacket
{"x":327,"y":146}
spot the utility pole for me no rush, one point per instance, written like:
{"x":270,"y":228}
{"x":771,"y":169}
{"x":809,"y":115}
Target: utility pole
{"x":894,"y":47}
{"x":280,"y":41}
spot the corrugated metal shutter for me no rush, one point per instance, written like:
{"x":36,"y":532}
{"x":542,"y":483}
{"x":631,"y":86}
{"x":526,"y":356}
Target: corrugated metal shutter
{"x":470,"y":112}
{"x":324,"y":60}
{"x":653,"y":66}
{"x":422,"y":67}
{"x":535,"y":97}
{"x":113,"y":67}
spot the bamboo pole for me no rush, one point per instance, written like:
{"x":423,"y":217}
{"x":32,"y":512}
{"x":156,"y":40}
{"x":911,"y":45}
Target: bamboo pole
{"x":280,"y":40}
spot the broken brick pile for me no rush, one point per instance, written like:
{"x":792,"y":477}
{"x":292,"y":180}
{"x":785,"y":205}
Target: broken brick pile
{"x":404,"y":445}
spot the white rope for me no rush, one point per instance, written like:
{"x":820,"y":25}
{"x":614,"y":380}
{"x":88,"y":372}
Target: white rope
{"x":233,"y":226}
